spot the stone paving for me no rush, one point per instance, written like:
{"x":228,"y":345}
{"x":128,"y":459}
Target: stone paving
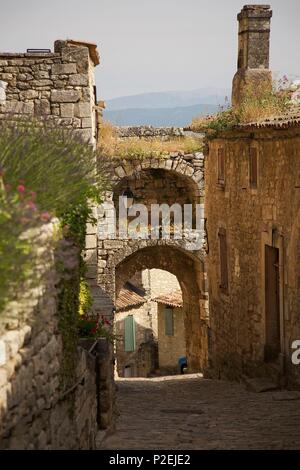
{"x":190,"y":412}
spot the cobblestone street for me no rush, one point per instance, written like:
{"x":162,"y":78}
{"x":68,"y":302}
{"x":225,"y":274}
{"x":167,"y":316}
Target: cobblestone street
{"x":189,"y":412}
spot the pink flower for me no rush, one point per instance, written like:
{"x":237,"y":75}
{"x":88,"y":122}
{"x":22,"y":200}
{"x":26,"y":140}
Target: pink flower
{"x":31,"y":205}
{"x":21,"y":188}
{"x":45,"y":216}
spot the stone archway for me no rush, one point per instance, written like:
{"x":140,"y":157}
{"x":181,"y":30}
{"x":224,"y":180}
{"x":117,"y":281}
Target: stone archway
{"x":188,"y":269}
{"x":174,"y":178}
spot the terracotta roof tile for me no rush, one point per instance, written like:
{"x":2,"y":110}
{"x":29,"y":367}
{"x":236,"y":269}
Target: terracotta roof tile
{"x":174,"y":299}
{"x":289,"y":119}
{"x":130,"y":296}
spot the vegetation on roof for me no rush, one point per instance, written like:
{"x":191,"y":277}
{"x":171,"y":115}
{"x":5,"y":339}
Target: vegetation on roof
{"x":261,"y":102}
{"x":111,"y":145}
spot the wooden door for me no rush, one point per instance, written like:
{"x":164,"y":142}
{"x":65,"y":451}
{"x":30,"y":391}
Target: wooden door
{"x":272,"y":320}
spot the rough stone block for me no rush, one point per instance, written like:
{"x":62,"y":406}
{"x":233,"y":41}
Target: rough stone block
{"x":86,"y":122}
{"x":82,"y":110}
{"x":79,"y":79}
{"x":84,"y":134}
{"x":67,"y":110}
{"x":42,"y":107}
{"x":17,"y":107}
{"x":65,"y":96}
{"x":63,"y":69}
{"x":90,"y":241}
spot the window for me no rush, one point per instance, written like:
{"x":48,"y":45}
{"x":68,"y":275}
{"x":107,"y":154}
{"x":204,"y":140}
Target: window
{"x":221,"y":166}
{"x":95,"y":94}
{"x":169,"y":321}
{"x":223,"y":260}
{"x":129,"y":333}
{"x":253,"y":167}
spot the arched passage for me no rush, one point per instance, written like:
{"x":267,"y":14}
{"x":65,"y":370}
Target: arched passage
{"x":189,"y":271}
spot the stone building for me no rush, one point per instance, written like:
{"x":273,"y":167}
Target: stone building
{"x":253,"y":220}
{"x":143,"y":344}
{"x":59,"y":85}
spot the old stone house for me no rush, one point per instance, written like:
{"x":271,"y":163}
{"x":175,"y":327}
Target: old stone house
{"x":171,"y":332}
{"x":149,"y":326}
{"x":253,"y":220}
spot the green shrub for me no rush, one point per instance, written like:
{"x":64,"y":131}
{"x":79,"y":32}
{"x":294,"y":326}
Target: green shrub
{"x":44,"y":172}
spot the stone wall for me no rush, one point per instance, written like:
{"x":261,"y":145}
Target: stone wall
{"x":253,"y":217}
{"x":148,"y":132}
{"x":34,"y":413}
{"x":57,"y":85}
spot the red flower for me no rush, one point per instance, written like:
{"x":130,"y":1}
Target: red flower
{"x":94,"y":329}
{"x":21,"y":188}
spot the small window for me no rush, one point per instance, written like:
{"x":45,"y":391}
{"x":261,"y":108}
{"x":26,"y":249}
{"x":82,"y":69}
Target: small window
{"x":221,"y":166}
{"x":169,"y":322}
{"x":129,"y":333}
{"x":253,"y":167}
{"x":95,"y":94}
{"x":223,"y":260}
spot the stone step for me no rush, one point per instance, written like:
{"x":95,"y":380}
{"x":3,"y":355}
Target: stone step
{"x":260,"y":384}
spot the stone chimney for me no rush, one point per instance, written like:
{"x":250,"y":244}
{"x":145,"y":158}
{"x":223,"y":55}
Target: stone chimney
{"x":253,"y":50}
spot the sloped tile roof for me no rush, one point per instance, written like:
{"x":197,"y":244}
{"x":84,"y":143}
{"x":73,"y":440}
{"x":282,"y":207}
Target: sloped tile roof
{"x":290,"y":118}
{"x":173,"y":299}
{"x":130,"y":296}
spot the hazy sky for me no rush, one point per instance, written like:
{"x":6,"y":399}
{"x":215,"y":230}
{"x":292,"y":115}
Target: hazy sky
{"x":152,"y":45}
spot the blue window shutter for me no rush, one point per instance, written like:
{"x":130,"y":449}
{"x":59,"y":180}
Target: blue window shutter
{"x":169,"y":321}
{"x":129,"y":329}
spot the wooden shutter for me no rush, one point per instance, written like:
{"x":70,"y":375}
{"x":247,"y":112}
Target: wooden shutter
{"x":223,"y":260}
{"x":253,"y":167}
{"x":129,"y":333}
{"x":169,"y":321}
{"x":221,"y":166}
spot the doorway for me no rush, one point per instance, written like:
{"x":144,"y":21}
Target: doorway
{"x":272,"y":305}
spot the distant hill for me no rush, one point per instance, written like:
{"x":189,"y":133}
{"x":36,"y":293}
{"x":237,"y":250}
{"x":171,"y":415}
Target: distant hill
{"x":177,"y":116}
{"x":170,"y":99}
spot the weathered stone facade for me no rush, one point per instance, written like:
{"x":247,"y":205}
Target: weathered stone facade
{"x":56,"y":85}
{"x":35,"y":412}
{"x":254,"y":217}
